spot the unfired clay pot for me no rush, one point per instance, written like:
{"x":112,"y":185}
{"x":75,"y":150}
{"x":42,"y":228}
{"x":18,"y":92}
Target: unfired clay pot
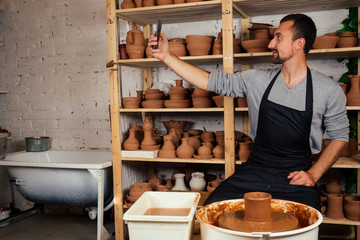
{"x":135,"y":37}
{"x":177,"y":48}
{"x":255,"y":45}
{"x":138,"y":3}
{"x":325,"y":41}
{"x":219,"y":152}
{"x":168,"y":143}
{"x":201,"y":102}
{"x":217,"y":181}
{"x":204,"y":150}
{"x":122,"y":51}
{"x":197,"y":182}
{"x":352,"y":207}
{"x":334,"y":208}
{"x":127,"y":4}
{"x":333,"y":187}
{"x":135,"y":51}
{"x":353,"y":95}
{"x":149,"y":3}
{"x":180,"y":182}
{"x":199,"y":45}
{"x":155,"y":180}
{"x":169,"y":183}
{"x":164,"y":2}
{"x":185,"y":150}
{"x":175,"y":136}
{"x":131,"y":143}
{"x":244,"y":150}
{"x":347,"y":42}
{"x":178,"y":125}
{"x":195,"y":142}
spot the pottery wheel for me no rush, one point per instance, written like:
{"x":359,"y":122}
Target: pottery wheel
{"x":280,"y":222}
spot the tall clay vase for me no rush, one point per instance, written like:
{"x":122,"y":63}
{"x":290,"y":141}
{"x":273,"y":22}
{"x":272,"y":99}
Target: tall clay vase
{"x":127,"y":4}
{"x":185,"y":150}
{"x":353,"y":95}
{"x":352,"y":207}
{"x":197,"y":182}
{"x":180,"y":182}
{"x":168,"y":143}
{"x":131,"y":143}
{"x":334,"y":208}
{"x":148,"y":139}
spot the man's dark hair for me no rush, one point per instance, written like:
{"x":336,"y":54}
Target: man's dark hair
{"x":303,"y":27}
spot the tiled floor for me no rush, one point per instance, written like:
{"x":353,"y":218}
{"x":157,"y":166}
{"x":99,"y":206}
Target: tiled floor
{"x":53,"y":227}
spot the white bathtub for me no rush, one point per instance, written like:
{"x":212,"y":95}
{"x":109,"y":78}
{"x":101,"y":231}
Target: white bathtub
{"x":72,"y":178}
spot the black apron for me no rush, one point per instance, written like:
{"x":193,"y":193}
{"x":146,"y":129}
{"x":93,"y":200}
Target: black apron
{"x":281,"y":146}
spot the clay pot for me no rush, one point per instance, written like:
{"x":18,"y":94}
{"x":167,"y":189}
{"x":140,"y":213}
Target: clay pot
{"x":331,"y":34}
{"x":209,"y":144}
{"x":131,"y":199}
{"x":168,"y":143}
{"x":348,"y":34}
{"x":127,"y":4}
{"x":210,"y":188}
{"x":177,"y":48}
{"x":219,"y":101}
{"x":199,"y":45}
{"x":138,"y":3}
{"x":164,"y":2}
{"x":255,"y":45}
{"x":334,"y":208}
{"x":200,"y":93}
{"x":155,"y":180}
{"x":180,"y":182}
{"x":131,"y":102}
{"x":236,"y":45}
{"x":136,"y":190}
{"x":195,"y":142}
{"x":153,"y":104}
{"x":135,"y":37}
{"x":208,"y":136}
{"x":219,"y":152}
{"x":150,"y":147}
{"x":348,"y":42}
{"x":167,"y":154}
{"x":128,"y":204}
{"x":177,"y":103}
{"x":204,"y":150}
{"x":244,"y":150}
{"x":217,"y":48}
{"x":197,"y":182}
{"x":122,"y":51}
{"x":131,"y":143}
{"x":185,"y":150}
{"x":325,"y":41}
{"x":139,"y":133}
{"x":161,"y":188}
{"x":241,"y":102}
{"x":258,"y":207}
{"x":154,"y":96}
{"x":333,"y":187}
{"x":261,"y":34}
{"x":178,"y":96}
{"x":352,"y":207}
{"x":194,"y":132}
{"x":152,"y":90}
{"x":353,"y":96}
{"x":147,"y":124}
{"x":202,"y":102}
{"x":149,"y":3}
{"x":135,"y":51}
{"x":344,"y":87}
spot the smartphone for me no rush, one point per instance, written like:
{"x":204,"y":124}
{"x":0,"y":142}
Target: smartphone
{"x":158,"y":31}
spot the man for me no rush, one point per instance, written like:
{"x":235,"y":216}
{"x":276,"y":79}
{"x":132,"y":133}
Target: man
{"x":289,"y":108}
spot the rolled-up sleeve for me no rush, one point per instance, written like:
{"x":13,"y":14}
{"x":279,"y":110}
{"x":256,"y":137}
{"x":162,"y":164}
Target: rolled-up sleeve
{"x":226,"y":84}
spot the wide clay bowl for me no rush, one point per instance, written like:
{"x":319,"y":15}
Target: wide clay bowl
{"x":255,"y":43}
{"x":202,"y":102}
{"x":348,"y":34}
{"x":177,"y":48}
{"x":348,"y":42}
{"x":154,"y":96}
{"x":219,"y":100}
{"x":199,"y":38}
{"x":153,"y":104}
{"x":325,"y":42}
{"x":131,"y":104}
{"x":135,"y":51}
{"x":261,"y":35}
{"x":164,"y":2}
{"x":130,"y":99}
{"x":177,"y":103}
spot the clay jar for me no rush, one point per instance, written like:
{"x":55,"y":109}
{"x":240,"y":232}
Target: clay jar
{"x":255,"y":45}
{"x":135,"y":37}
{"x":352,"y":207}
{"x":168,"y":149}
{"x":135,"y":51}
{"x":199,"y":45}
{"x":333,"y":187}
{"x":197,"y":182}
{"x":217,"y":181}
{"x":195,"y":142}
{"x":185,"y":150}
{"x":208,"y":136}
{"x":131,"y":143}
{"x":175,"y":137}
{"x":244,"y":150}
{"x":334,"y":208}
{"x":127,"y":4}
{"x":353,"y":96}
{"x":122,"y":51}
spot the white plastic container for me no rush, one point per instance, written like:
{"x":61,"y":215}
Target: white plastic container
{"x":151,"y":227}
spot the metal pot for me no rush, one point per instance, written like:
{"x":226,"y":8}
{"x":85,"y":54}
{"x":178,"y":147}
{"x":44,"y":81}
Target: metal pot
{"x":37,"y":144}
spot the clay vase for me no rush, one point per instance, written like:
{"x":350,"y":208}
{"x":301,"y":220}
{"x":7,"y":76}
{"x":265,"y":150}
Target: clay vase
{"x":155,"y":180}
{"x":198,"y":45}
{"x":135,"y":51}
{"x":127,"y":4}
{"x":138,"y":3}
{"x":175,"y":137}
{"x":352,"y":207}
{"x":147,"y":128}
{"x":333,"y":187}
{"x":353,"y":95}
{"x":185,"y":150}
{"x":135,"y":37}
{"x":131,"y":143}
{"x":149,"y":3}
{"x":169,"y":184}
{"x":180,"y":182}
{"x":219,"y":151}
{"x":168,"y":143}
{"x":147,"y":124}
{"x":197,"y":182}
{"x":334,"y":208}
{"x":244,"y":150}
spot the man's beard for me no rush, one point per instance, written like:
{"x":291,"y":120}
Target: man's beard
{"x":276,"y":59}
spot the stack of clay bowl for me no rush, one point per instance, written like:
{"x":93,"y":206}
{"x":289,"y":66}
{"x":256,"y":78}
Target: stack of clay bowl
{"x":217,"y":47}
{"x":178,"y":95}
{"x":348,"y":39}
{"x":131,"y":102}
{"x":335,"y":197}
{"x":154,"y":98}
{"x":199,"y":45}
{"x":326,"y":41}
{"x":135,"y":43}
{"x":136,"y":190}
{"x":177,"y":46}
{"x":260,"y":34}
{"x":202,"y":98}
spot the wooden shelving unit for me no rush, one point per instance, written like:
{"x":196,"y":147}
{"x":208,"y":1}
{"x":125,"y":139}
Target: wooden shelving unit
{"x":200,"y":11}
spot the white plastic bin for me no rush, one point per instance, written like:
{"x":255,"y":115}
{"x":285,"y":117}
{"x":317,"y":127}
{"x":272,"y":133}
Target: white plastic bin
{"x":152,"y":227}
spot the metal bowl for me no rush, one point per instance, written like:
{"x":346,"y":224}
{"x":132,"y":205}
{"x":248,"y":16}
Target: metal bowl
{"x":37,"y":144}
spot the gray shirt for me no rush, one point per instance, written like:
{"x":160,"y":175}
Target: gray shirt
{"x":329,"y":107}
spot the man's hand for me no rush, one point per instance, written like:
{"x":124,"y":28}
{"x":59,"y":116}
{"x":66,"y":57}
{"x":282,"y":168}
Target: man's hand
{"x":163,"y":50}
{"x":301,"y":178}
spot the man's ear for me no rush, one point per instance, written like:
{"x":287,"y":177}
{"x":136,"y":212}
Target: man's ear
{"x":300,"y":44}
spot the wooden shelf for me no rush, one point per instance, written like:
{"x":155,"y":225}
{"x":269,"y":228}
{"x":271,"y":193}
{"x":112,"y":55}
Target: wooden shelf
{"x":211,"y":10}
{"x":343,"y":221}
{"x":353,"y":162}
{"x":175,"y":160}
{"x":243,"y":58}
{"x":214,"y":109}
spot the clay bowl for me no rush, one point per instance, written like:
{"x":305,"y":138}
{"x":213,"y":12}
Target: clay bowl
{"x":178,"y":96}
{"x":150,"y":148}
{"x":250,"y":45}
{"x":177,"y":103}
{"x":219,"y":101}
{"x":153,"y":104}
{"x":194,"y":132}
{"x":201,"y":102}
{"x":200,"y":93}
{"x":254,"y":50}
{"x":348,"y":42}
{"x":203,"y":157}
{"x":324,"y":42}
{"x":135,"y":51}
{"x":141,"y":185}
{"x":164,"y":2}
{"x":154,"y":96}
{"x":241,"y":102}
{"x":348,"y":34}
{"x":177,"y":48}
